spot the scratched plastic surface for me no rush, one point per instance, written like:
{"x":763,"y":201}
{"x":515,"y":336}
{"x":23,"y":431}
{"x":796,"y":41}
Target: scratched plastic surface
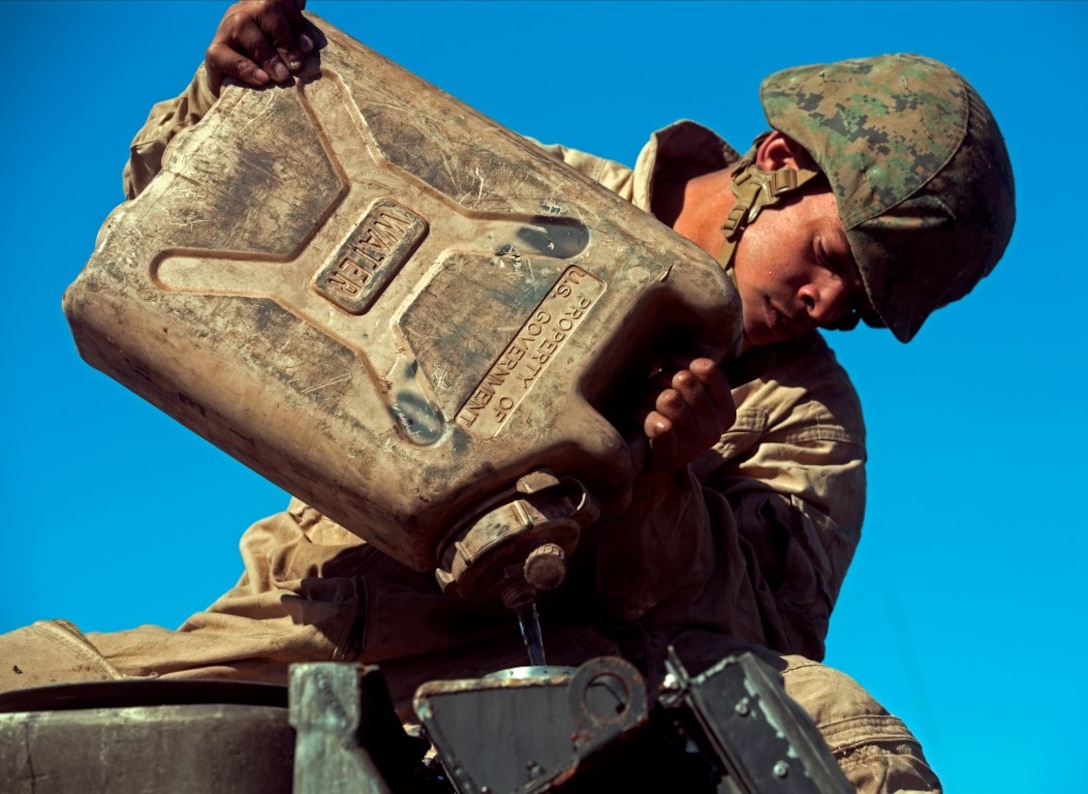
{"x":385,"y":302}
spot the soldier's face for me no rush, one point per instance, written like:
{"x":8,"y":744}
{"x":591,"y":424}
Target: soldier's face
{"x":794,"y":270}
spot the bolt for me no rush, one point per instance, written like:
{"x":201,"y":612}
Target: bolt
{"x":545,"y":566}
{"x":742,"y":707}
{"x":781,"y":769}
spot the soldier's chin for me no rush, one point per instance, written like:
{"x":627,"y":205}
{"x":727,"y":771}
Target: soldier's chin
{"x":760,"y":336}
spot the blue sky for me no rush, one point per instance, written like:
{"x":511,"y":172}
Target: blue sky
{"x":963,"y":611}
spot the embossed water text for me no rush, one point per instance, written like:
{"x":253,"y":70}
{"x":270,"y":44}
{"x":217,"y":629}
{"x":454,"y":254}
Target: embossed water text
{"x":382,"y":242}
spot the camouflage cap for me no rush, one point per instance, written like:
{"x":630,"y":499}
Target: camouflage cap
{"x":919,"y":170}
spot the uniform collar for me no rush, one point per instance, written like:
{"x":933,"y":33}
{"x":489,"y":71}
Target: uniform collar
{"x":681,"y":150}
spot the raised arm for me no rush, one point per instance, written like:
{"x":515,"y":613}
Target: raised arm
{"x":257,"y":42}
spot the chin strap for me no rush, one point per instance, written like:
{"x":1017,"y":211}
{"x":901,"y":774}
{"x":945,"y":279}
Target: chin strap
{"x":756,"y":189}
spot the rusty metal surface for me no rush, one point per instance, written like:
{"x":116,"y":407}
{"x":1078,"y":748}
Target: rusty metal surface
{"x":349,"y":738}
{"x":739,"y":714}
{"x":192,"y":745}
{"x":386,"y":303}
{"x":728,"y":730}
{"x":530,"y":733}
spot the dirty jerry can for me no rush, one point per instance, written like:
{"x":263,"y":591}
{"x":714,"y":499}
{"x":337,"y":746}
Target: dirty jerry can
{"x":408,"y":316}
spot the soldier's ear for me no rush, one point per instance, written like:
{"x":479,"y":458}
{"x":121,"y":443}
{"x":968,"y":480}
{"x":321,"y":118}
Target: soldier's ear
{"x":780,"y":151}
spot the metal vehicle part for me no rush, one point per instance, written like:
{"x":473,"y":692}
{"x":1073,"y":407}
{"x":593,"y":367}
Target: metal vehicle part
{"x":530,"y":733}
{"x":738,"y":713}
{"x":136,"y":736}
{"x":350,"y":739}
{"x":728,"y":730}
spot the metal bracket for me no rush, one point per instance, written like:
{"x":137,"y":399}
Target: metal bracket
{"x":738,"y":713}
{"x":349,"y":737}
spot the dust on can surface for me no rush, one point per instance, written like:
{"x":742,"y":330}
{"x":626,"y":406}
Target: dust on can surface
{"x":386,"y":303}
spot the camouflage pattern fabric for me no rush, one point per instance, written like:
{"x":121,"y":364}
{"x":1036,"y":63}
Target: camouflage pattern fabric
{"x":919,"y":169}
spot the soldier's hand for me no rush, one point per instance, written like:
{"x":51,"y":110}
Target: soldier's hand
{"x":260,"y":41}
{"x":689,"y":415}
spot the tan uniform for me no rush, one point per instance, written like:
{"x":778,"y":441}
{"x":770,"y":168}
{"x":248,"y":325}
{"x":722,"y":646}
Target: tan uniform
{"x":749,"y":545}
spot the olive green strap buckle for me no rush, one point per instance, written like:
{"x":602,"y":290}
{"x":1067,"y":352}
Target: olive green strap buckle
{"x":756,"y":189}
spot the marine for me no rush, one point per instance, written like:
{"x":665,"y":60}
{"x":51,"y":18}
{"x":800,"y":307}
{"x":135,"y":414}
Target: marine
{"x":882,"y":192}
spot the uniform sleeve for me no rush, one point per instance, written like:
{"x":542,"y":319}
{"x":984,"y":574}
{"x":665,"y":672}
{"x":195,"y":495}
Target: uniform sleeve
{"x":792,"y":470}
{"x":165,"y":120}
{"x":755,"y":538}
{"x":616,"y":177}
